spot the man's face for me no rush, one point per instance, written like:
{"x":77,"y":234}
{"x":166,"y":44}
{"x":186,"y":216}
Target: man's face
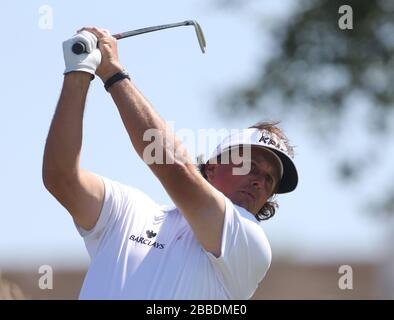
{"x":252,"y":190}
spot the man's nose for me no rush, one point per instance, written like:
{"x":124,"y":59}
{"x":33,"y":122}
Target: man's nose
{"x":257,"y":182}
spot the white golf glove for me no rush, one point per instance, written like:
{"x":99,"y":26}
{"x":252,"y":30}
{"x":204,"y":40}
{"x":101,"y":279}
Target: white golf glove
{"x":87,"y":62}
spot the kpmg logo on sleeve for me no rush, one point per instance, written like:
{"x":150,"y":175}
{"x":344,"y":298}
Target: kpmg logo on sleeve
{"x":150,"y":234}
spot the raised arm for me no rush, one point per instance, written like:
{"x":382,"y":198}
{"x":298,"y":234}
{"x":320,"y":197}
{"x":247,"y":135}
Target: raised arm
{"x":202,"y":205}
{"x":79,"y":191}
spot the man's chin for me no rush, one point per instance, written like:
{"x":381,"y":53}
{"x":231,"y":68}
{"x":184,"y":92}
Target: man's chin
{"x":242,"y":203}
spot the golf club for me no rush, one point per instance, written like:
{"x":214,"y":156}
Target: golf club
{"x":79,"y":47}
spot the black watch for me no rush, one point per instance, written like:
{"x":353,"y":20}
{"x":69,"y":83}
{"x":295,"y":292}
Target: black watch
{"x":115,"y":78}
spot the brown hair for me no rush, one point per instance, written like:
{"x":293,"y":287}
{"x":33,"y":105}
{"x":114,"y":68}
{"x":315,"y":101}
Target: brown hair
{"x":269,"y":208}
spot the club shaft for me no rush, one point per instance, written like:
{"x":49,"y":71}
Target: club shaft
{"x":150,"y":29}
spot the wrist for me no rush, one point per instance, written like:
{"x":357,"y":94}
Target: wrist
{"x":78,"y":77}
{"x":105,"y":75}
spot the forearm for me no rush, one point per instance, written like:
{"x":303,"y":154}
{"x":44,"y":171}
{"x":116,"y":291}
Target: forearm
{"x":64,"y":141}
{"x":138,"y":116}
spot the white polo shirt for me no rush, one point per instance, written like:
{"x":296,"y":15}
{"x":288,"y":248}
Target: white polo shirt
{"x":140,"y":250}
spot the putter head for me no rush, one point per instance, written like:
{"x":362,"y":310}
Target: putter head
{"x":199,"y":33}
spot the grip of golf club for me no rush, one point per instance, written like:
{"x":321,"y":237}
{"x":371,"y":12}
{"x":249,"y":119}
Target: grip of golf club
{"x":78,"y":47}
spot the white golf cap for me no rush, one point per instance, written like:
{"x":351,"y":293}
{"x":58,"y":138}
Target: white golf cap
{"x":269,"y":141}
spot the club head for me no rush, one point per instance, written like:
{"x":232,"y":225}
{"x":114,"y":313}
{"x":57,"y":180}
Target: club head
{"x":199,"y":33}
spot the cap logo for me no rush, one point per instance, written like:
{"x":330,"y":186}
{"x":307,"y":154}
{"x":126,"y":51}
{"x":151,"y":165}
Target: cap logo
{"x":270,"y":138}
{"x":266,"y":138}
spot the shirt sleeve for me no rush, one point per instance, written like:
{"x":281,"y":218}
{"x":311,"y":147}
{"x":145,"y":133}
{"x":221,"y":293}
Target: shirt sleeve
{"x":245,"y":253}
{"x":117,"y":198}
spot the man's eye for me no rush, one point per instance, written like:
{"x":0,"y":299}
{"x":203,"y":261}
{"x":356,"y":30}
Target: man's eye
{"x":252,"y":167}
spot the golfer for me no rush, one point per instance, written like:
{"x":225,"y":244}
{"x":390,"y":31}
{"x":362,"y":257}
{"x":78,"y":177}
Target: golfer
{"x":209,"y":244}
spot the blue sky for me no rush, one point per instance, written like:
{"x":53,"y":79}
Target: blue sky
{"x":320,"y":221}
